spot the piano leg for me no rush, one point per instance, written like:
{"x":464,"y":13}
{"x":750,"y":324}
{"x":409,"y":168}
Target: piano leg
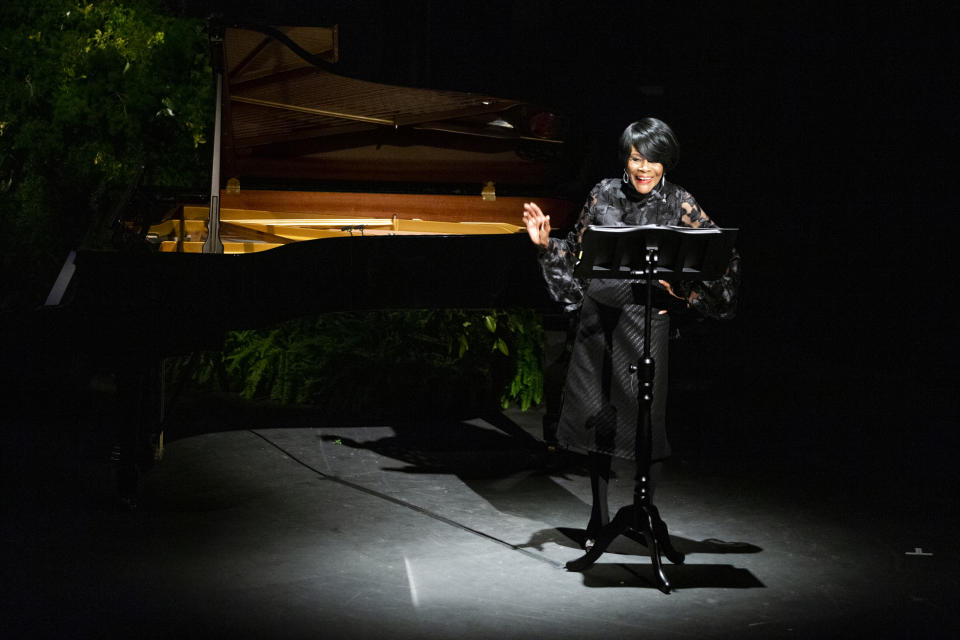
{"x":558,"y":334}
{"x":140,"y":398}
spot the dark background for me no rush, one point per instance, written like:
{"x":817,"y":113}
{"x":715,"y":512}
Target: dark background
{"x":824,"y":131}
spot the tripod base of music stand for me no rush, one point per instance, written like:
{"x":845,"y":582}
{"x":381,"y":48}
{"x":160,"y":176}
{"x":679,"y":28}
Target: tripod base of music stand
{"x":635,"y":519}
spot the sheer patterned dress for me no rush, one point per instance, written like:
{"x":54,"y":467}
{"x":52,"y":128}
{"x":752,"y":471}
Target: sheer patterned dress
{"x":600,"y":407}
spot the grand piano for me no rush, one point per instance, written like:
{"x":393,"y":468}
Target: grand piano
{"x":328,"y":193}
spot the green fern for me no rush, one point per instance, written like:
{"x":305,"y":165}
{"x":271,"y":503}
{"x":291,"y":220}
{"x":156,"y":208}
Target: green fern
{"x":444,"y":357}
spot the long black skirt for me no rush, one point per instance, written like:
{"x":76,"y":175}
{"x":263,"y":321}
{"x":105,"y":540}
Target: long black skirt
{"x":600,"y":402}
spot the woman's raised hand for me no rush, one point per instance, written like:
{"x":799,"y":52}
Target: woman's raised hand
{"x":538,"y":224}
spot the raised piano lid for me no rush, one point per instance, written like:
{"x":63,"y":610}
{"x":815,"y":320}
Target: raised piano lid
{"x":309,"y":154}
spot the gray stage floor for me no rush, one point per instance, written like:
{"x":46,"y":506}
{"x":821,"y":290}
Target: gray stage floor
{"x":450,"y":529}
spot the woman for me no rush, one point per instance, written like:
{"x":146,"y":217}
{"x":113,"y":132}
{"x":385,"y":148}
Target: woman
{"x":600,"y":405}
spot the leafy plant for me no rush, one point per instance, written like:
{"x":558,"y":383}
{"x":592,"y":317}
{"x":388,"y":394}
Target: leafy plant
{"x":441,"y":360}
{"x":90,"y":91}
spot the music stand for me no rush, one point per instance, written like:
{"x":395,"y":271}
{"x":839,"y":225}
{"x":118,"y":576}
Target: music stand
{"x":648,"y":253}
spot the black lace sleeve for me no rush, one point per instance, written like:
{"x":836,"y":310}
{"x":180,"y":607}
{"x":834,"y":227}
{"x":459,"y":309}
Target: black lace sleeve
{"x":712,"y":298}
{"x":559,"y":258}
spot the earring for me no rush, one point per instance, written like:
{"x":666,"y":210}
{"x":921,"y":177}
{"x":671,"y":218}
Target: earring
{"x":626,"y":178}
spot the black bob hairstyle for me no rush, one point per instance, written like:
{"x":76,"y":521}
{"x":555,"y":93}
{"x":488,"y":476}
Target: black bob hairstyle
{"x":655,"y":141}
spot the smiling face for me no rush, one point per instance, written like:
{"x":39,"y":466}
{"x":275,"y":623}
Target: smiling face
{"x":644,"y":175}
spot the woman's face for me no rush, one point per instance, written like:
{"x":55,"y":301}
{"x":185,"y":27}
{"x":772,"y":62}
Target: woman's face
{"x":644,"y":175}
